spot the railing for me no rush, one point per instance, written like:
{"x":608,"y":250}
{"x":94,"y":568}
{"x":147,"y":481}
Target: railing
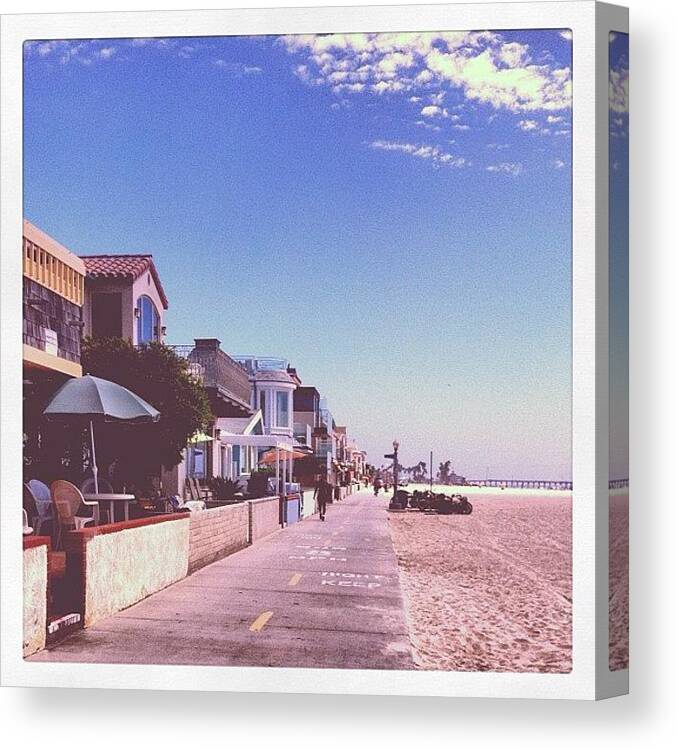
{"x":254,"y":364}
{"x":215,"y":369}
{"x":53,"y":273}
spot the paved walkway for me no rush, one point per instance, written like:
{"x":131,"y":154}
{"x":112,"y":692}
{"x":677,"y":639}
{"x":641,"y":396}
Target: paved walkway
{"x":312,"y":595}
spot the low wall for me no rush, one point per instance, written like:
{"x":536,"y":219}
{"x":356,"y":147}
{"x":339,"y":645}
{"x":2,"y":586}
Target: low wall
{"x":216,"y":533}
{"x":35,"y":593}
{"x":118,"y":564}
{"x":308,"y":504}
{"x":292,"y":512}
{"x":264,"y":517}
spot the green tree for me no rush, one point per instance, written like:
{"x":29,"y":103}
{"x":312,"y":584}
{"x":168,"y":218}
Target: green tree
{"x":444,"y":472}
{"x":157,"y":374}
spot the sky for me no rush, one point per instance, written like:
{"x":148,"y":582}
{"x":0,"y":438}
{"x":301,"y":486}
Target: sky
{"x":619,"y":254}
{"x":389,"y":212}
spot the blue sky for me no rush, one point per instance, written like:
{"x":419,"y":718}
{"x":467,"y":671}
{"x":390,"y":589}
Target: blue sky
{"x":619,"y":255}
{"x":391,"y":212}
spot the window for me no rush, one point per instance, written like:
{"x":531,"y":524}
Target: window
{"x":262,"y":406}
{"x":106,"y":314}
{"x":235,"y":461}
{"x":148,"y":322}
{"x":282,"y":399}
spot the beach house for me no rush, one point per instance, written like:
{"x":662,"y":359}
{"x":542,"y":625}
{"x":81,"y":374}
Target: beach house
{"x":124,"y":298}
{"x":53,"y":295}
{"x":273,"y":383}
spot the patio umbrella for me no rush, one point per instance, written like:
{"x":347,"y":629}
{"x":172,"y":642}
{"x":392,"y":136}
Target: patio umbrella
{"x":270,"y":457}
{"x":98,"y":400}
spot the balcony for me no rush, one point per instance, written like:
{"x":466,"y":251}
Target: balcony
{"x":254,"y":364}
{"x":53,"y":289}
{"x":226,"y":380}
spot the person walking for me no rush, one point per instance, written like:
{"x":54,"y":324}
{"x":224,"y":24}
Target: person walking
{"x":323,"y":494}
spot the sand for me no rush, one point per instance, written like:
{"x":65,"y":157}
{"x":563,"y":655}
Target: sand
{"x":491,"y":591}
{"x":619,"y":580}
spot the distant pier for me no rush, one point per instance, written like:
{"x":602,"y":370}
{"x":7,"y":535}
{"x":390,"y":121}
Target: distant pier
{"x":523,"y":484}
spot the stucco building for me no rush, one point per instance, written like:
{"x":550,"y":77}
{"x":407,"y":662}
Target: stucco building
{"x":124,"y":298}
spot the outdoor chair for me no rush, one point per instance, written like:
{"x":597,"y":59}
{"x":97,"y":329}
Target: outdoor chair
{"x":68,"y":500}
{"x":40,"y":508}
{"x":195,"y":491}
{"x":87,"y":487}
{"x":177,"y":506}
{"x":27,"y":529}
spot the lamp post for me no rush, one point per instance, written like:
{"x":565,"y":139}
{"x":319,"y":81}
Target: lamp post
{"x":396,"y":445}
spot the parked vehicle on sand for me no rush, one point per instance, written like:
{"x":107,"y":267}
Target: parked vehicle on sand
{"x":438,"y":502}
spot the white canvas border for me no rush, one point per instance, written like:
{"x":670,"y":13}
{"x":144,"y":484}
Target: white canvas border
{"x":587,"y":513}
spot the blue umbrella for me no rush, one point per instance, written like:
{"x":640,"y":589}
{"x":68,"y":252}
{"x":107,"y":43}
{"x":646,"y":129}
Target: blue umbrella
{"x":98,"y":400}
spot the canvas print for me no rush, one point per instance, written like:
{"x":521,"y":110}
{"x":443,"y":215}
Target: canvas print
{"x":297,"y":350}
{"x":619,"y":352}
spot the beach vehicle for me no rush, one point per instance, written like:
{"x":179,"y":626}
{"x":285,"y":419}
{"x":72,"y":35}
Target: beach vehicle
{"x":400,"y":501}
{"x":455,"y":505}
{"x":438,"y":502}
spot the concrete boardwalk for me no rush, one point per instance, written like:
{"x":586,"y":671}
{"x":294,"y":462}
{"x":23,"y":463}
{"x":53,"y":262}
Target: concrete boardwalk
{"x":312,"y":595}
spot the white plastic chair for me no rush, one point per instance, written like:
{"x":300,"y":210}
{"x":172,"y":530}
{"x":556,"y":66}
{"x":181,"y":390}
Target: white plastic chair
{"x":67,"y":500}
{"x":40,"y":494}
{"x":27,"y":529}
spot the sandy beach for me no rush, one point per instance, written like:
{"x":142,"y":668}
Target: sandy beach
{"x":491,"y":591}
{"x":619,"y":580}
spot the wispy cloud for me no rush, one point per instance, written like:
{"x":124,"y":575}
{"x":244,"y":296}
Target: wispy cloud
{"x":236,"y":68}
{"x":619,"y":89}
{"x":506,"y":167}
{"x":436,"y":155}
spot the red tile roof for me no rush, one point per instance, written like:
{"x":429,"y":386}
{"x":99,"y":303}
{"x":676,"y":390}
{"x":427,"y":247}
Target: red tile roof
{"x":123,"y":267}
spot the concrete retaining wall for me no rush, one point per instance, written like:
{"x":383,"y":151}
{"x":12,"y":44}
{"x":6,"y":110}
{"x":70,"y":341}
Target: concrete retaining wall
{"x":264,"y":517}
{"x":35,"y":594}
{"x":309,"y":506}
{"x":119,"y":564}
{"x":216,"y":533}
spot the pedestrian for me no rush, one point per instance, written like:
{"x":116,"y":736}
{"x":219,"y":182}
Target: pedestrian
{"x":323,"y":494}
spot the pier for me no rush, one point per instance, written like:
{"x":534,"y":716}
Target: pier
{"x":523,"y":484}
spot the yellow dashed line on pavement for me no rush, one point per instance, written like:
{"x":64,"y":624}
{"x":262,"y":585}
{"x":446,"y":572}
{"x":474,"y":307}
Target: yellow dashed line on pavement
{"x":294,"y":580}
{"x":259,"y":623}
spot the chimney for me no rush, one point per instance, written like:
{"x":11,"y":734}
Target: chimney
{"x":207,"y":344}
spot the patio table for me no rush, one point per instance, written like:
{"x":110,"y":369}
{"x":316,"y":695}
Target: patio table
{"x":112,"y":498}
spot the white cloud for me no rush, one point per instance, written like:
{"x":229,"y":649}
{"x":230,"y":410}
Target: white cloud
{"x":619,"y":89}
{"x":506,"y":167}
{"x":558,"y":163}
{"x":428,"y":126}
{"x":482,"y":65}
{"x":528,"y":125}
{"x":552,"y":119}
{"x":514,"y":54}
{"x":431,"y":110}
{"x":566,"y":34}
{"x":436,"y":155}
{"x":106,"y":53}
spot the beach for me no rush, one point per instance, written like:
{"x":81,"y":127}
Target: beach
{"x":619,"y":580}
{"x":491,"y":591}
